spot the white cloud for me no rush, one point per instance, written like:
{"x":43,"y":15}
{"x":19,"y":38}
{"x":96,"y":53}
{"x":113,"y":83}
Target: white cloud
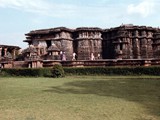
{"x":144,"y":8}
{"x":89,"y":14}
{"x":62,"y":10}
{"x":36,"y":4}
{"x":42,"y":7}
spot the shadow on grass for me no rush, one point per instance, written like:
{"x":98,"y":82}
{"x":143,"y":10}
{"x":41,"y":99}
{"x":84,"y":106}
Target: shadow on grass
{"x":143,"y":91}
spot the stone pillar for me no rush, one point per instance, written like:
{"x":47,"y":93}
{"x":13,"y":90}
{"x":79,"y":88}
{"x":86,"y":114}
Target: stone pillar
{"x":44,"y":51}
{"x":19,"y":52}
{"x":29,"y":65}
{"x":80,"y":35}
{"x":5,"y":51}
{"x":35,"y":64}
{"x":136,"y":33}
{"x":0,"y":52}
{"x":130,"y":51}
{"x":137,"y":49}
{"x":144,"y":34}
{"x":150,"y":34}
{"x":87,"y":34}
{"x":118,"y":46}
{"x":38,"y":51}
{"x":39,"y":64}
{"x":14,"y":53}
{"x":32,"y":64}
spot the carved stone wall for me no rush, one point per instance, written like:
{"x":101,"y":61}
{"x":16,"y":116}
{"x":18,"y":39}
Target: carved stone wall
{"x":156,"y":45}
{"x":123,"y":42}
{"x":43,"y":39}
{"x":89,"y":42}
{"x":8,"y":52}
{"x":128,"y":42}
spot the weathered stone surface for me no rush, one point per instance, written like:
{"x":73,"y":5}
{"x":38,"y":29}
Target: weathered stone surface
{"x":129,"y":42}
{"x":123,"y":42}
{"x":89,"y":43}
{"x":8,"y":51}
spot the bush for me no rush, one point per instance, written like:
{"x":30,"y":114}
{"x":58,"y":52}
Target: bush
{"x":152,"y":70}
{"x":38,"y":72}
{"x":57,"y":71}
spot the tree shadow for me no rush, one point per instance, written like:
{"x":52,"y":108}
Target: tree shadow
{"x":143,"y":91}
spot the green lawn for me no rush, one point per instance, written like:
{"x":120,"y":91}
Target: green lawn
{"x":80,"y":98}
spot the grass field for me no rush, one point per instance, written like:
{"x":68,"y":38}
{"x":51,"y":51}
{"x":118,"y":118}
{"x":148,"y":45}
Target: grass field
{"x":80,"y":98}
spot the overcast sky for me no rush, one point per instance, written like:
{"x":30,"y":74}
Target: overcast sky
{"x":18,"y":17}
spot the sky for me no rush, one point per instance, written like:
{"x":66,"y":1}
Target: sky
{"x":18,"y":17}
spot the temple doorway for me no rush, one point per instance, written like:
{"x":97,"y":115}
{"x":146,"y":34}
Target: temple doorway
{"x":48,"y":43}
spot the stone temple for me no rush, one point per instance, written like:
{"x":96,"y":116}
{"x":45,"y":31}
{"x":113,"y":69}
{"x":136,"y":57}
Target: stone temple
{"x":91,"y":46}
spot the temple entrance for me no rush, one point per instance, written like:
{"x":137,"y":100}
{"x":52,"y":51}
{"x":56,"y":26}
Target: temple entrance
{"x":48,"y":43}
{"x":2,"y":52}
{"x":121,"y":46}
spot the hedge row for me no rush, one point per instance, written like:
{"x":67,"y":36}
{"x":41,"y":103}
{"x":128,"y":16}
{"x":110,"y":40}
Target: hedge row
{"x":46,"y":72}
{"x":39,"y":72}
{"x":154,"y":70}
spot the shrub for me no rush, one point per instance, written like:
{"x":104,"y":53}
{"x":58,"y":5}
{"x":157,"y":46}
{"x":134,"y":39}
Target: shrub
{"x":57,"y":71}
{"x":127,"y":70}
{"x":38,"y":72}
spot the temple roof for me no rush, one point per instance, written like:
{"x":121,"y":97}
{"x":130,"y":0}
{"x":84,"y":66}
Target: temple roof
{"x":30,"y":49}
{"x":60,"y":29}
{"x":89,"y":29}
{"x":10,"y":46}
{"x":50,"y":30}
{"x":53,"y":47}
{"x":131,"y":27}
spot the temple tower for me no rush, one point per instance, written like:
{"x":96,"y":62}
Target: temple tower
{"x":124,"y":42}
{"x":64,"y":41}
{"x":116,"y":43}
{"x":142,"y":40}
{"x":89,"y":43}
{"x":128,"y":42}
{"x":61,"y":37}
{"x":156,"y":45}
